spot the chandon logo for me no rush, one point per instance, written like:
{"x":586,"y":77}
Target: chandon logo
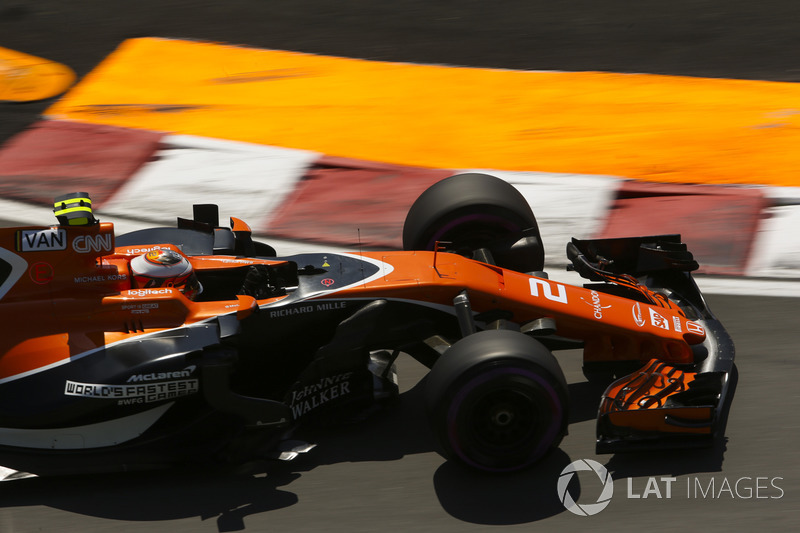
{"x":596,"y":305}
{"x":587,"y":509}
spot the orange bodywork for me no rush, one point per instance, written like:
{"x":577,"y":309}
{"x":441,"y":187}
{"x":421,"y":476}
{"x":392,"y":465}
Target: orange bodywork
{"x":641,"y":401}
{"x":67,"y":290}
{"x":613,"y":328}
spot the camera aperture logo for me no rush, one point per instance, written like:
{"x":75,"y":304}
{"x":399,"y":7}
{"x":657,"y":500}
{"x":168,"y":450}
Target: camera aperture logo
{"x":587,"y":509}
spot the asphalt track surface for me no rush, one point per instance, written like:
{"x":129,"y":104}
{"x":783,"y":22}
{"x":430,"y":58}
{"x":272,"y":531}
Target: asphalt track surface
{"x":384,"y":474}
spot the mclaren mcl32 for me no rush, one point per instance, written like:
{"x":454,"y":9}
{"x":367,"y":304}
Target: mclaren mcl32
{"x":197,"y":343}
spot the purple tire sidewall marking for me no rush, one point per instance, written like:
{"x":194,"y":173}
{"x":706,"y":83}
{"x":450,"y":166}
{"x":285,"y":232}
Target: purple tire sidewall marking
{"x":544,"y":442}
{"x":469,"y":219}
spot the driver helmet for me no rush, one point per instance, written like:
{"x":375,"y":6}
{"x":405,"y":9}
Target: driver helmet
{"x":165,"y":268}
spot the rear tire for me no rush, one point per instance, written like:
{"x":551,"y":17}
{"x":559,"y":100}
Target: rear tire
{"x":497,"y":401}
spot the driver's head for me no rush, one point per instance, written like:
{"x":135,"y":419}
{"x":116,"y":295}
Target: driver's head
{"x":165,"y":268}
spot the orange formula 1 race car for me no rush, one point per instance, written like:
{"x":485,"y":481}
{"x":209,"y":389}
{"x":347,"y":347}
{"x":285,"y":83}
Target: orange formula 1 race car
{"x":196,"y":343}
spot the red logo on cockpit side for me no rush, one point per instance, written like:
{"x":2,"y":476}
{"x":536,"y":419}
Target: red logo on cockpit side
{"x":327,"y":282}
{"x":41,"y":273}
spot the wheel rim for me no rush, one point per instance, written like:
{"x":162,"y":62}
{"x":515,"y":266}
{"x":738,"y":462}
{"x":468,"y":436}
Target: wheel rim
{"x":505,"y":419}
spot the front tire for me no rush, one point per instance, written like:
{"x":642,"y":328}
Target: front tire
{"x":497,"y":401}
{"x":473,"y":211}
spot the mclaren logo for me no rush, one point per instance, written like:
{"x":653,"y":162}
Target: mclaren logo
{"x":159,"y":376}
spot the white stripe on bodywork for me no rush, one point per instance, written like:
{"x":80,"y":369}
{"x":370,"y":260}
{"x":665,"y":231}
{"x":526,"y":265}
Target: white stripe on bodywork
{"x":81,"y":355}
{"x":384,"y":269}
{"x":100,"y":435}
{"x":18,"y":267}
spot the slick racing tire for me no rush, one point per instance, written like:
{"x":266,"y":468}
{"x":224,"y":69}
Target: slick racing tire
{"x":474,"y":211}
{"x":497,"y":401}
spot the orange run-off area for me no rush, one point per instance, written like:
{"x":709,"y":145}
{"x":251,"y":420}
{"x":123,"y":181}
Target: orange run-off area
{"x":650,"y":127}
{"x":27,"y":78}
